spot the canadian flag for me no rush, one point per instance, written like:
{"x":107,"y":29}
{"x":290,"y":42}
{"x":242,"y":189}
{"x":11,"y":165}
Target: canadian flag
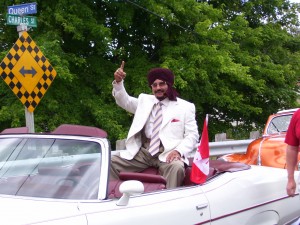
{"x":200,"y":167}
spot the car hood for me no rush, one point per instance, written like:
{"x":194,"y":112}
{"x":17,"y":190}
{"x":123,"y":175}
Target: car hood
{"x":21,"y":211}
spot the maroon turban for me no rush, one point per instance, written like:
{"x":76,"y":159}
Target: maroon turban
{"x":165,"y":75}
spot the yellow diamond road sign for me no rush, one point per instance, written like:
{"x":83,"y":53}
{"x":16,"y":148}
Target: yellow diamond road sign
{"x":27,"y":72}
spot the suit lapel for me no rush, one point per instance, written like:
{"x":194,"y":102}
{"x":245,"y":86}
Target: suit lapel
{"x":169,"y":113}
{"x":141,"y":115}
{"x":147,"y":110}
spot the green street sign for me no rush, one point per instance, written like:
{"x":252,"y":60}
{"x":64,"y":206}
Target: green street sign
{"x":29,"y":21}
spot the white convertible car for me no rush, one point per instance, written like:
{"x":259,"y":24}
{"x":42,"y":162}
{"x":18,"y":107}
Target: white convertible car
{"x":62,"y":178}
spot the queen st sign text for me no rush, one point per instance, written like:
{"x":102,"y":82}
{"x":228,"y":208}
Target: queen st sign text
{"x":23,"y":9}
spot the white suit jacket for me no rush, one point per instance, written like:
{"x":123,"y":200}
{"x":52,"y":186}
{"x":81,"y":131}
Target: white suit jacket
{"x":178,"y":130}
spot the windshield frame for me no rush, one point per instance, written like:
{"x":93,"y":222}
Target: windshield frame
{"x":278,"y":124}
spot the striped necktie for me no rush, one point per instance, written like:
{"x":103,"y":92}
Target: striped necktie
{"x":155,"y":141}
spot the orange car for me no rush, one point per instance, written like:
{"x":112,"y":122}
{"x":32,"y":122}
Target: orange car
{"x":270,"y":149}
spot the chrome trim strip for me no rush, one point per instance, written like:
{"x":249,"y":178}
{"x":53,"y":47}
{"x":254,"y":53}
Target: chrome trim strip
{"x":243,"y":210}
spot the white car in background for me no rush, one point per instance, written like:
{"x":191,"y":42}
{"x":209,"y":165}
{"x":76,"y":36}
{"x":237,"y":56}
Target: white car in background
{"x":63,"y":178}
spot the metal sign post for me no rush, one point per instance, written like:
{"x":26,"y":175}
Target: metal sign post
{"x":29,"y":116}
{"x":12,"y":19}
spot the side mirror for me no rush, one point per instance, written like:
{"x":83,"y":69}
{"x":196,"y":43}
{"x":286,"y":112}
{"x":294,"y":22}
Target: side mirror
{"x":128,"y":188}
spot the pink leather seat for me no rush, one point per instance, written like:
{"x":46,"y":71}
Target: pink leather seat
{"x":152,"y":182}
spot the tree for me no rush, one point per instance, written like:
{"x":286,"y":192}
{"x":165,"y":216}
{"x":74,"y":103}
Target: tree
{"x":236,"y":60}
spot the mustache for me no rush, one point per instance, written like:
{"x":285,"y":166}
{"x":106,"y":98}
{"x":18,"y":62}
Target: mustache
{"x":159,"y":91}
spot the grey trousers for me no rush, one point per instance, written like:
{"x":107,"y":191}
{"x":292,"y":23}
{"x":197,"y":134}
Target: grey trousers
{"x":173,"y":172}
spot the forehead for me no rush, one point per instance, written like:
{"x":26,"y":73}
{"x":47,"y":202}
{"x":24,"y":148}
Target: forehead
{"x":158,"y":81}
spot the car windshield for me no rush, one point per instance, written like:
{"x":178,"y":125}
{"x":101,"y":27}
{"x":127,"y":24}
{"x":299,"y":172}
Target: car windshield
{"x":279,"y":124}
{"x":49,"y":167}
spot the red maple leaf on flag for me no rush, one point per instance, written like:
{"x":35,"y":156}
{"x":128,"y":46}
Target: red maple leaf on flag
{"x":200,"y":167}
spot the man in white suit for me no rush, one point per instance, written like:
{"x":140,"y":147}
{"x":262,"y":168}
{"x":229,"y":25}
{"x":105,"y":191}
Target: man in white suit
{"x":178,"y":132}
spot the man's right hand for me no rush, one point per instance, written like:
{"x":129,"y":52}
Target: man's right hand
{"x":120,"y":74}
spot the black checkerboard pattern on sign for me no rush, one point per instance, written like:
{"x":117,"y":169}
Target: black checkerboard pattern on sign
{"x":30,"y":100}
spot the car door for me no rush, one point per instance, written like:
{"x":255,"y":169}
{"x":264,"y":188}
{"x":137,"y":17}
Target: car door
{"x":178,"y":206}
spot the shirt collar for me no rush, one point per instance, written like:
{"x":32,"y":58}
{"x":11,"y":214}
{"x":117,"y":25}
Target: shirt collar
{"x":164,"y":102}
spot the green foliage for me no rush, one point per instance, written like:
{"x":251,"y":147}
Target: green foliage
{"x":236,"y":60}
